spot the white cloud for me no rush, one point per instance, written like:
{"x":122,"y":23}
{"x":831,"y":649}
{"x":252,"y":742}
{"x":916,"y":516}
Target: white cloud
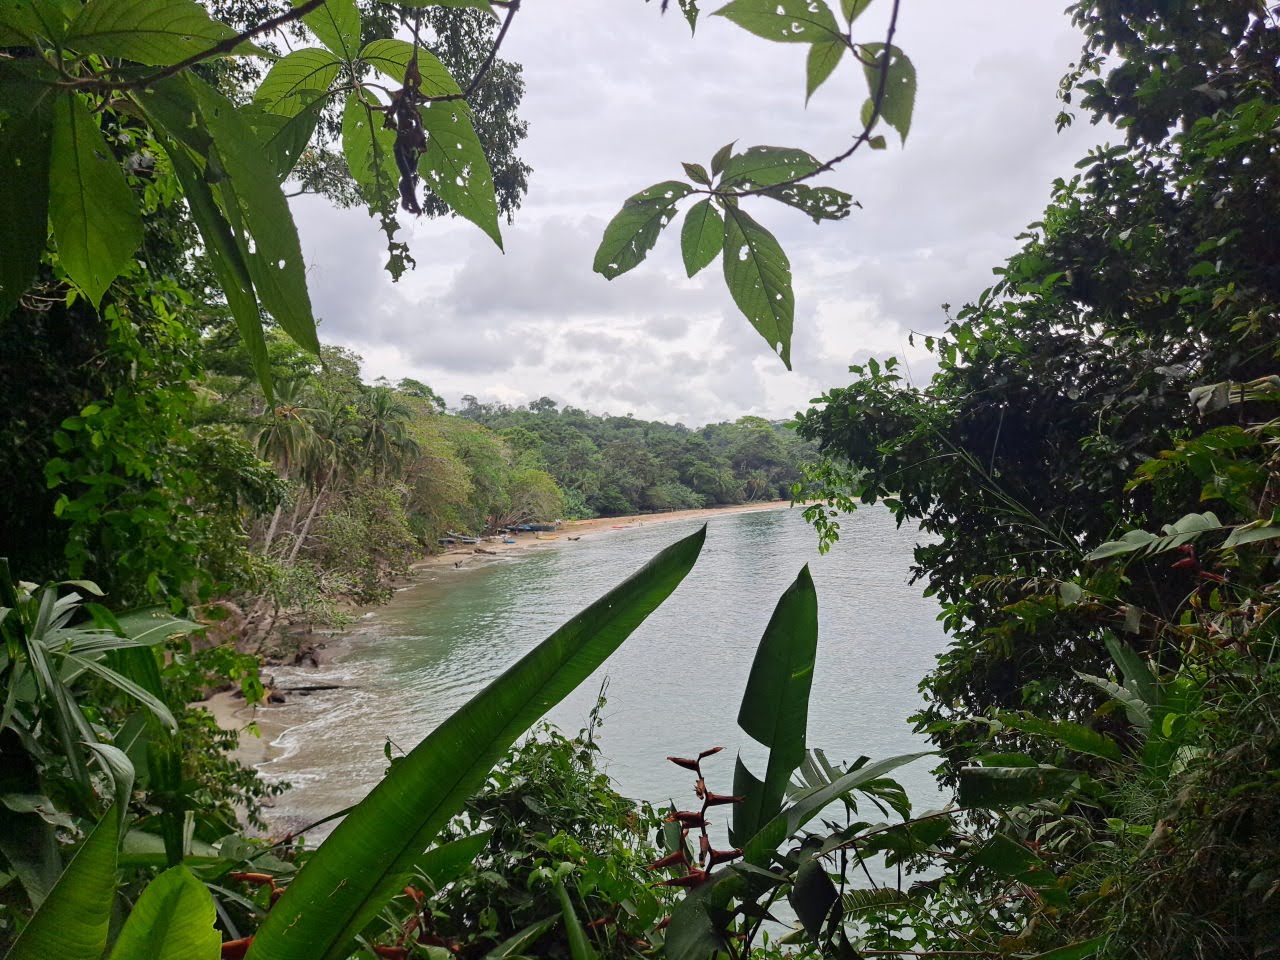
{"x":617,"y":96}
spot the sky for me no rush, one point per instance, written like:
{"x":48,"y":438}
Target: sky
{"x":616,"y":96}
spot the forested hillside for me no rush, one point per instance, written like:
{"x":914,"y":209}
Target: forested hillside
{"x":617,"y":465}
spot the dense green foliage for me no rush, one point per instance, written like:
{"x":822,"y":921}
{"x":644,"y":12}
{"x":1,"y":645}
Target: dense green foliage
{"x":1094,"y":463}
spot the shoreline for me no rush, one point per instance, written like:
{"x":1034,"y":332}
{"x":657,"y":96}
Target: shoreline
{"x":274,"y":719}
{"x":571,"y":530}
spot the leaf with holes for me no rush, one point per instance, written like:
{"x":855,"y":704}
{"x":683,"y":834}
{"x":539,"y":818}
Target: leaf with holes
{"x":820,"y":203}
{"x":455,"y":168}
{"x":701,"y":237}
{"x":336,"y":24}
{"x":758,"y":275}
{"x":766,"y":167}
{"x":159,"y":33}
{"x":91,"y":208}
{"x":391,"y":58}
{"x":899,"y":86}
{"x":367,"y":146}
{"x":284,"y":137}
{"x":786,"y":21}
{"x":294,"y":81}
{"x":632,"y":233}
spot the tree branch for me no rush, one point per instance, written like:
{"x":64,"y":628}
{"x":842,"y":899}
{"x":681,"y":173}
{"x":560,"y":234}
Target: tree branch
{"x":877,"y":101}
{"x":218,"y":49}
{"x":512,"y":7}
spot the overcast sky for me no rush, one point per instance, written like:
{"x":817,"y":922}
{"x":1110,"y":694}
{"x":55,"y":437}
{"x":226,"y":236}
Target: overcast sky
{"x":616,"y":97}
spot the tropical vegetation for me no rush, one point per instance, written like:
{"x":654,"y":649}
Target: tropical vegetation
{"x":1094,"y":467}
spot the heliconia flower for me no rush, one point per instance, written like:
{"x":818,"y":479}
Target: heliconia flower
{"x":670,"y":860}
{"x":700,"y":788}
{"x":685,"y":762}
{"x":236,"y":949}
{"x":690,"y":879}
{"x":391,"y":953}
{"x":1186,"y":563}
{"x":663,"y":923}
{"x":687,"y":818}
{"x":706,"y":753}
{"x":704,"y":845}
{"x":718,"y":857}
{"x":714,"y":799}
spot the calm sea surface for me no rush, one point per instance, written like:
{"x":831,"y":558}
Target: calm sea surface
{"x":674,"y":686}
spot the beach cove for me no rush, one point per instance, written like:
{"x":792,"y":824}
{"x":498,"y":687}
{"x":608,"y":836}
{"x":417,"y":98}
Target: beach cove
{"x":403,"y":667}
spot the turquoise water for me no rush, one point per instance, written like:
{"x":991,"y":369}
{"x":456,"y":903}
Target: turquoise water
{"x":674,"y":686}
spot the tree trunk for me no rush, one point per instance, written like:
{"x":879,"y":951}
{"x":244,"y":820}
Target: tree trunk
{"x":271,"y":530}
{"x":311,"y":515}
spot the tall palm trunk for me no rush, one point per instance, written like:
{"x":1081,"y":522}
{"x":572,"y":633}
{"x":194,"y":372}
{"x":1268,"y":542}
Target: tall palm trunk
{"x":271,"y":530}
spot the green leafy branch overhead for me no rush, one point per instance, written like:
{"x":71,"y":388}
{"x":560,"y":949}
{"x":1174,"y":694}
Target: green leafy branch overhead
{"x":82,"y":73}
{"x":81,"y":76}
{"x":756,"y":269}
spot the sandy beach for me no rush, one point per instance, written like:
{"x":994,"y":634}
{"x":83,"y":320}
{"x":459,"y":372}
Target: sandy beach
{"x":232,"y":713}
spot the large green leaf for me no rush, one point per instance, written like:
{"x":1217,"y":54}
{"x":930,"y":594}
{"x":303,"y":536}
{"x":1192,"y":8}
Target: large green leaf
{"x":1081,"y":950}
{"x":367,"y":146}
{"x":766,"y":166}
{"x":900,"y":87}
{"x":73,"y":920}
{"x":391,"y":58}
{"x":250,"y":190}
{"x":632,"y":233}
{"x":23,"y":21}
{"x":994,"y":788}
{"x":336,"y":24}
{"x":445,"y":863}
{"x":702,"y":236}
{"x":294,"y":81}
{"x":518,"y":944}
{"x":758,"y":275}
{"x":455,"y":168}
{"x":172,"y":920}
{"x":24,"y":197}
{"x":1075,"y":736}
{"x":365,"y":860}
{"x":227,"y":260}
{"x":820,"y":203}
{"x":775,"y":705}
{"x":155,"y":32}
{"x":812,"y":896}
{"x":823,"y":59}
{"x":787,"y":21}
{"x":579,"y":948}
{"x":91,"y":208}
{"x":760,"y":848}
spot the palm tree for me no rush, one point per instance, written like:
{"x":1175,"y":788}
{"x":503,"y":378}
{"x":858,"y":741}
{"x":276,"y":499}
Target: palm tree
{"x":386,"y":441}
{"x":289,"y":437}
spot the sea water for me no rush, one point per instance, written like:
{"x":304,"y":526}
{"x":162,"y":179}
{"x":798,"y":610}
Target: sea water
{"x":674,"y":687}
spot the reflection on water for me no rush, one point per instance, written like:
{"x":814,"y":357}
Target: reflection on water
{"x":674,"y":686}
